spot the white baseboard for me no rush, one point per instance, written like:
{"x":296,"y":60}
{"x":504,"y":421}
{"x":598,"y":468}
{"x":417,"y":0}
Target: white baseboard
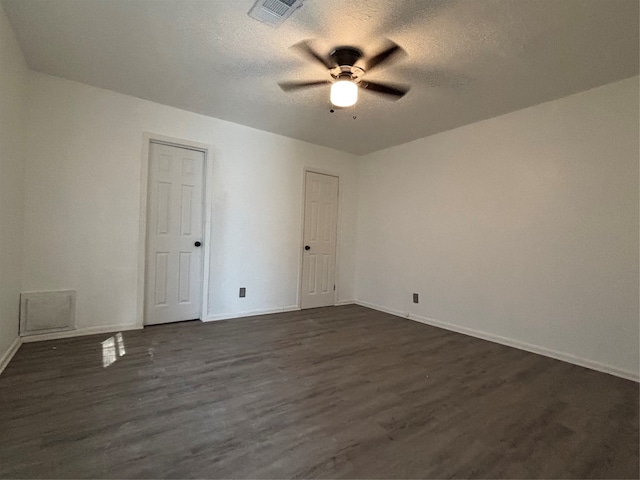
{"x":345,"y":302}
{"x":565,"y":357}
{"x":8,"y":355}
{"x":81,"y":332}
{"x":250,"y":313}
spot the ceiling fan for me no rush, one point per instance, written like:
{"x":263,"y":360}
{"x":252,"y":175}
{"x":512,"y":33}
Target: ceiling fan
{"x":346,"y":76}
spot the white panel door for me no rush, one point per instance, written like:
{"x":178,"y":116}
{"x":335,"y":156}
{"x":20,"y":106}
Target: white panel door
{"x":319,"y":256}
{"x":173,"y":282}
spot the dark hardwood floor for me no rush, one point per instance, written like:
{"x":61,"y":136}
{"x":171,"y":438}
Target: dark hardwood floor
{"x":333,"y":392}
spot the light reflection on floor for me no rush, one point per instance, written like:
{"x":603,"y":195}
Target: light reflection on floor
{"x":112,"y":349}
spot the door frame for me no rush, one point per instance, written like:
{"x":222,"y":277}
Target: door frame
{"x":147,"y":139}
{"x":321,"y":171}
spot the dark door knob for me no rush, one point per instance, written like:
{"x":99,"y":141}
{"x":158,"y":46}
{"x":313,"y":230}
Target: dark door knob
{"x":307,"y":247}
{"x":197,"y":244}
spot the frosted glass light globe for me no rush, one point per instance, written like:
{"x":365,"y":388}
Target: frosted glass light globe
{"x":344,"y":93}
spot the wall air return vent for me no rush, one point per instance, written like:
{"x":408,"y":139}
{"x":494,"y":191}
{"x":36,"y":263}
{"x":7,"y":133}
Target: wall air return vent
{"x":47,"y":312}
{"x":274,"y":12}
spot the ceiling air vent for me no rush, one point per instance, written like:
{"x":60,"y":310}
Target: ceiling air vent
{"x":274,"y":12}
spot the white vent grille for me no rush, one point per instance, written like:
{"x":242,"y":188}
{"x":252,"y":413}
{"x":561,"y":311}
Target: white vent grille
{"x":276,"y":7}
{"x":274,"y":12}
{"x":47,"y":312}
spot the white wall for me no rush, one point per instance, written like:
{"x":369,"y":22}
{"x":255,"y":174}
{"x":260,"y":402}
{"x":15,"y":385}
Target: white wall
{"x":13,"y":74}
{"x":83,"y":168}
{"x":524,"y":227}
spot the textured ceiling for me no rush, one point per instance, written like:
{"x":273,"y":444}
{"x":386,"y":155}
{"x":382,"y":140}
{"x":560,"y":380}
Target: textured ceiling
{"x":466,"y":60}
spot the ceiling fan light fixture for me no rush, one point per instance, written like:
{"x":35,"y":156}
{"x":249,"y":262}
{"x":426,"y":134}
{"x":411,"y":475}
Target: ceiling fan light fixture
{"x":344,"y":93}
{"x":346,"y":74}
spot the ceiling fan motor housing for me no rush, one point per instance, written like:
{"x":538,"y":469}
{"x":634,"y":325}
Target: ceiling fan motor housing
{"x":346,"y":56}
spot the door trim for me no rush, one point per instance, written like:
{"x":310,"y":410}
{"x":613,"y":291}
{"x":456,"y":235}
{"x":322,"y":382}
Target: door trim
{"x":320,"y":171}
{"x":147,"y":139}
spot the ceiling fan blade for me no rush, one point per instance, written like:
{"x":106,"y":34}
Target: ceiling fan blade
{"x":383,"y":57}
{"x":289,"y":86}
{"x":305,"y":48}
{"x":397,"y":92}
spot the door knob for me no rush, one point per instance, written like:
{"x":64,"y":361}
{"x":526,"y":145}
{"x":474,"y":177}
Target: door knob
{"x":307,"y":247}
{"x":197,"y":244}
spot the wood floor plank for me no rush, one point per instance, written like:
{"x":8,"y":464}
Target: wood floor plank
{"x":340,"y":392}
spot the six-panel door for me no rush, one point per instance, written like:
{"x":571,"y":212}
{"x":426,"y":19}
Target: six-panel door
{"x":173,"y":282}
{"x":319,"y":240}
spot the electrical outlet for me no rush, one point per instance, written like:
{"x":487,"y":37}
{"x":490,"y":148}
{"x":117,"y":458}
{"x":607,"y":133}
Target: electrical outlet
{"x":243,"y":292}
{"x":415,"y":298}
